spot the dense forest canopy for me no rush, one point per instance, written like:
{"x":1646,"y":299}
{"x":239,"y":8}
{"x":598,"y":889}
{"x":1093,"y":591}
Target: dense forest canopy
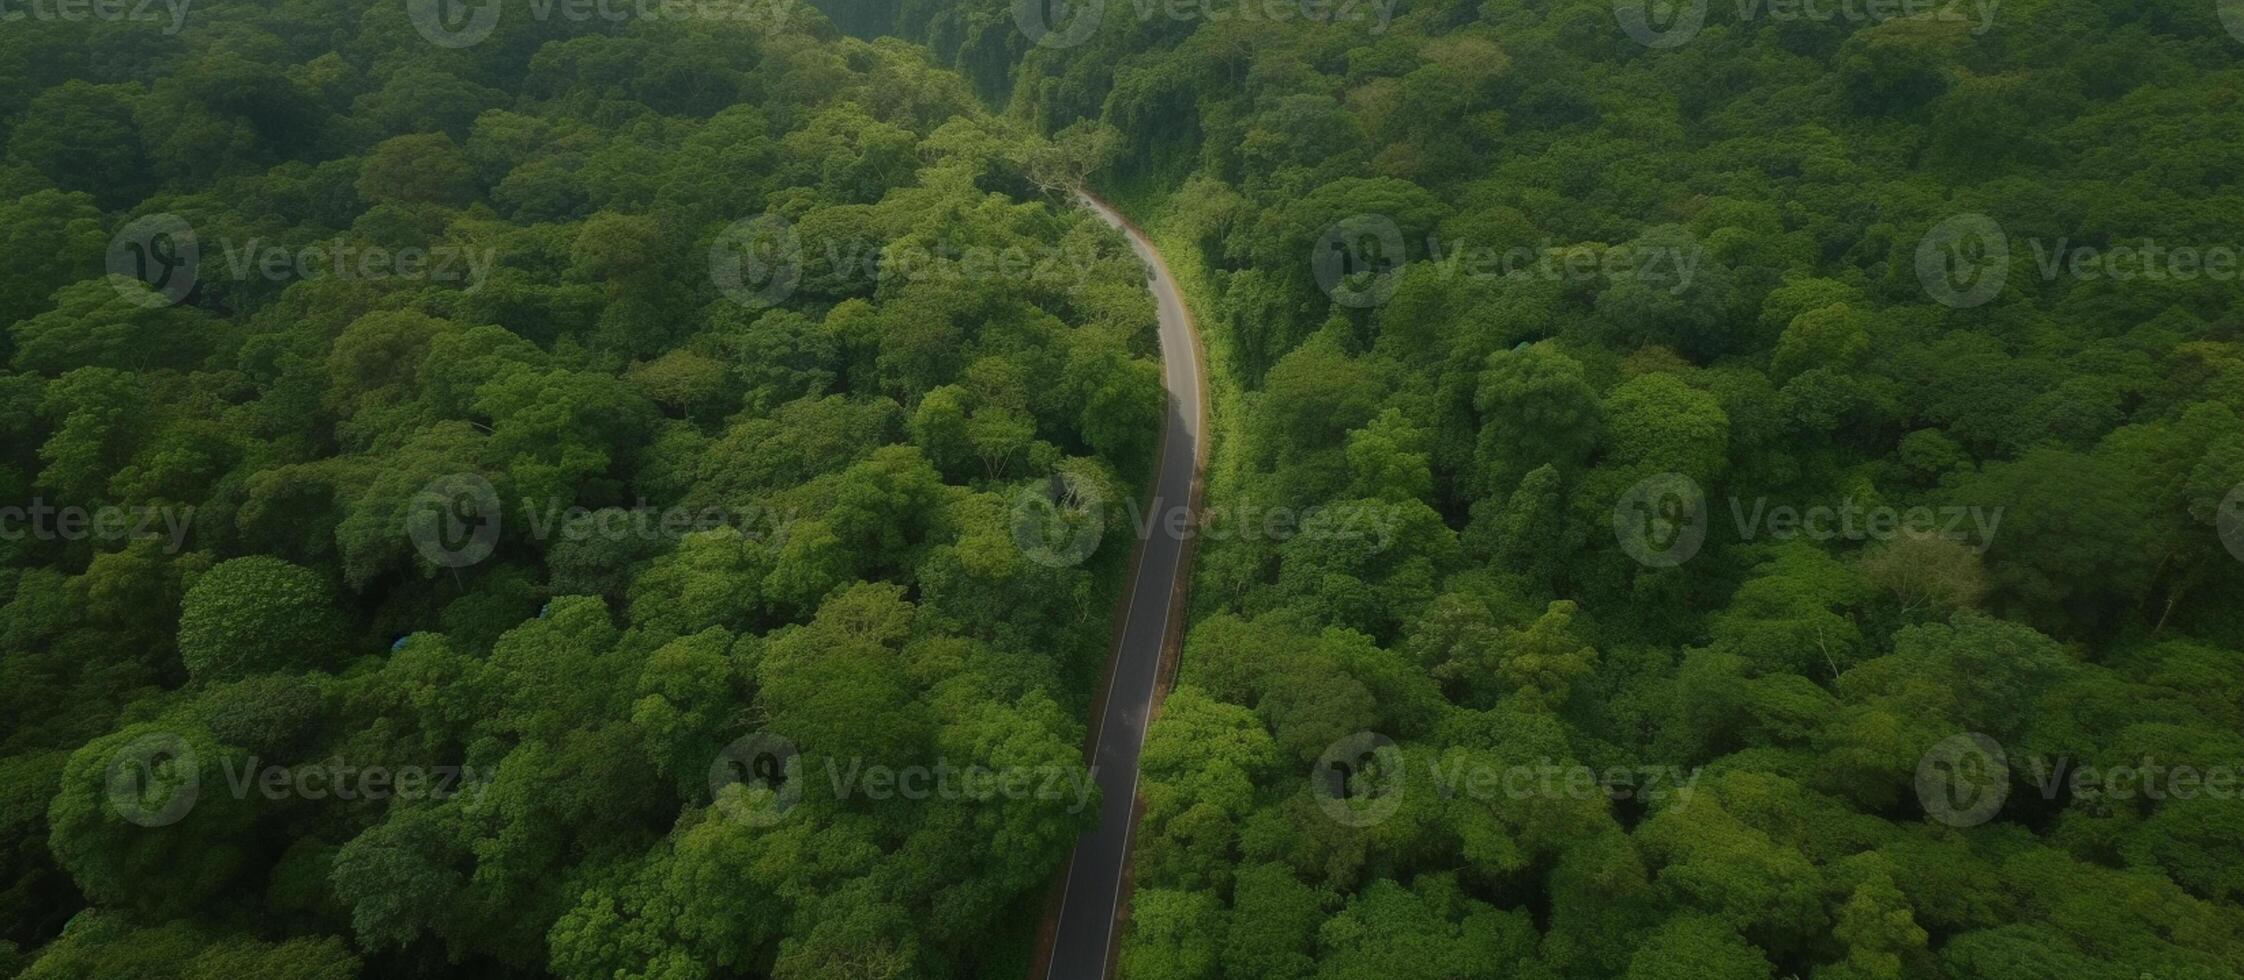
{"x":1811,"y":433}
{"x":511,"y":451}
{"x":1764,"y":486}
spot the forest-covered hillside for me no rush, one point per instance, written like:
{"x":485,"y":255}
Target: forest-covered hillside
{"x":1700,"y":490}
{"x":489,"y":492}
{"x":1746,"y":501}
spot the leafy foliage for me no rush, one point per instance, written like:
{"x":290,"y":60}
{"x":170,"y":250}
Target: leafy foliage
{"x":2080,"y":431}
{"x":718,"y":513}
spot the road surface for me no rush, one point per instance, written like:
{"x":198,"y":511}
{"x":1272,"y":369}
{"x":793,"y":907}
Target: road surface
{"x":1083,"y":944}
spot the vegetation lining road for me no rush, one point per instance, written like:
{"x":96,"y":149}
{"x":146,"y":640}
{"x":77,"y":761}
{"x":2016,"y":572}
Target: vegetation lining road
{"x":636,"y":338}
{"x":1092,"y":895}
{"x":1733,"y":263}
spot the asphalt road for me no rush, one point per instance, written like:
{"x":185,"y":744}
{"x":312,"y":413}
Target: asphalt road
{"x":1084,"y":942}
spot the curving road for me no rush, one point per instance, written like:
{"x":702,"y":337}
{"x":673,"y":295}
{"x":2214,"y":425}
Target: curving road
{"x":1083,"y":943}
